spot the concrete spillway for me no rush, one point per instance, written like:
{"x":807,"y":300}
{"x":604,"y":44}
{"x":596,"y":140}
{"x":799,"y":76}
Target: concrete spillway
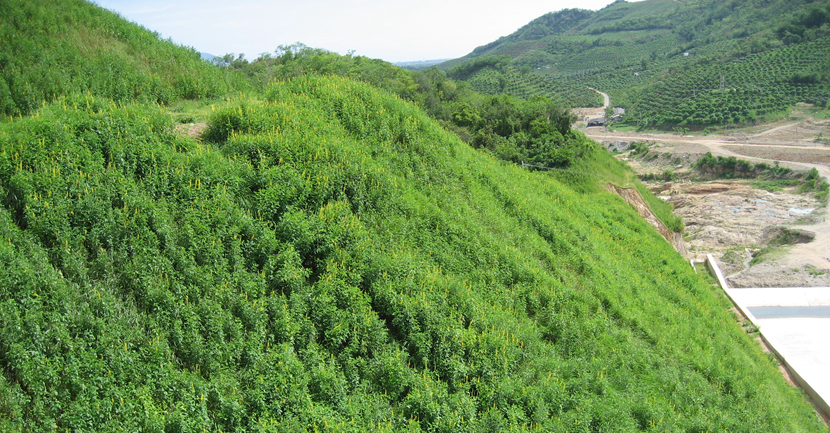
{"x":795,"y":323}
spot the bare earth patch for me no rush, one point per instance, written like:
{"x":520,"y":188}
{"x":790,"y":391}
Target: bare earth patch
{"x":732,"y":220}
{"x":795,"y":154}
{"x":192,"y":130}
{"x":720,"y":216}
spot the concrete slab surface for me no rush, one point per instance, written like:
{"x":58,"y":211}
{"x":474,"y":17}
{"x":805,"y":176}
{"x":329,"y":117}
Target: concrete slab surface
{"x":782,"y":297}
{"x":794,"y":322}
{"x":776,"y":312}
{"x":804,"y":344}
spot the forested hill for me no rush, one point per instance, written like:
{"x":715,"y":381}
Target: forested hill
{"x":691,"y":62}
{"x":328,"y":257}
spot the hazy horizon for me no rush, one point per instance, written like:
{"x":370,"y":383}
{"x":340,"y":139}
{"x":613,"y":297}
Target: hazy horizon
{"x":429,"y":30}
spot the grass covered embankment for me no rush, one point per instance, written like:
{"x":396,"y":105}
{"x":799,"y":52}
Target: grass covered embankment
{"x":51,"y":48}
{"x":334,"y":260}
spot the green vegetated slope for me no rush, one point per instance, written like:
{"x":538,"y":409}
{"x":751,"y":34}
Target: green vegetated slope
{"x":536,"y":131}
{"x":697,"y":62}
{"x":332,"y":259}
{"x":52,"y":48}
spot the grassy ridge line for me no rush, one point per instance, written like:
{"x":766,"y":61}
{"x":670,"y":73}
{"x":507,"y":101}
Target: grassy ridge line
{"x":50,"y":49}
{"x":536,"y":130}
{"x":338,"y":259}
{"x":468,"y":114}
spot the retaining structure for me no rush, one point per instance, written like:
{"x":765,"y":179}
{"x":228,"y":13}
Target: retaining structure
{"x":818,"y":401}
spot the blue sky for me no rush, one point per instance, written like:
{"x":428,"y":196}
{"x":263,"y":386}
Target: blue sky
{"x":390,"y":30}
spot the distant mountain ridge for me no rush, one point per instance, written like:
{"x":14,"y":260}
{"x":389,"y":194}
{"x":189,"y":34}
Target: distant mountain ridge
{"x":419,"y":64}
{"x":670,"y":63}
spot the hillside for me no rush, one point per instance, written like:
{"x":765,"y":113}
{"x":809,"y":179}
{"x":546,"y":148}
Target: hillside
{"x":51,"y":49}
{"x":329,"y":257}
{"x":359,"y":268}
{"x":537,"y":131}
{"x":669,"y":63}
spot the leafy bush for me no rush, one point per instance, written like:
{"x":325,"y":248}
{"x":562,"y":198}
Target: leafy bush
{"x":337,"y":258}
{"x":53,"y":49}
{"x":814,"y":183}
{"x":665,"y":176}
{"x":731,"y":166}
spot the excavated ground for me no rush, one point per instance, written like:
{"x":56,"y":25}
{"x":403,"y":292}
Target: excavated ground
{"x":730,"y":218}
{"x":734,"y":221}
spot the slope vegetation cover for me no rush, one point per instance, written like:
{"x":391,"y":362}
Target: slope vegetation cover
{"x":52,"y":48}
{"x":670,"y":63}
{"x":536,"y":131}
{"x":334,"y":260}
{"x":330,"y":258}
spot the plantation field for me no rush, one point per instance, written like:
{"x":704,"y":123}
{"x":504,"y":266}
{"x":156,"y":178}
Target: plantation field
{"x":739,"y":91}
{"x":697,"y":64}
{"x":528,"y":85}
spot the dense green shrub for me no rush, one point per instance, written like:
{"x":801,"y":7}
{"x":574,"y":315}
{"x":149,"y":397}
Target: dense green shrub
{"x":329,"y":258}
{"x":536,"y":130}
{"x":50,"y":50}
{"x":814,"y":183}
{"x":335,"y":260}
{"x":731,"y":167}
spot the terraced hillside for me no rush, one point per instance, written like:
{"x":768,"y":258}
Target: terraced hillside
{"x":669,"y":63}
{"x":524,"y":84}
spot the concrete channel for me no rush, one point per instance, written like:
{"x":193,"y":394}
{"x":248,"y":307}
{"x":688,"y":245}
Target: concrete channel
{"x":795,"y":324}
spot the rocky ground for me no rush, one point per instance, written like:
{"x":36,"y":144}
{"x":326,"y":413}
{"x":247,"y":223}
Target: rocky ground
{"x":192,"y":130}
{"x":735,"y":222}
{"x":732,"y":219}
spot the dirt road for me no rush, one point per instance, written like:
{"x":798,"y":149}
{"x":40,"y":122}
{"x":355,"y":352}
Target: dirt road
{"x":606,"y":99}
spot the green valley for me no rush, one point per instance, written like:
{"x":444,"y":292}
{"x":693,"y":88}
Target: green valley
{"x":347,"y":247}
